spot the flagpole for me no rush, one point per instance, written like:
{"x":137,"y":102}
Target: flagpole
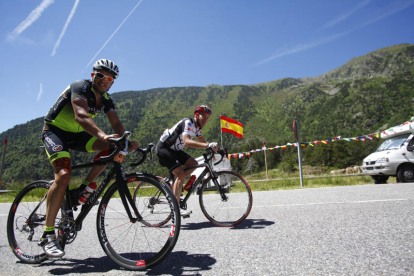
{"x":221,"y":134}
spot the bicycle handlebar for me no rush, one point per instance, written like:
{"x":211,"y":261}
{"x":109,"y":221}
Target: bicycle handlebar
{"x":116,"y":145}
{"x":210,"y":153}
{"x":121,"y":144}
{"x":144,"y":154}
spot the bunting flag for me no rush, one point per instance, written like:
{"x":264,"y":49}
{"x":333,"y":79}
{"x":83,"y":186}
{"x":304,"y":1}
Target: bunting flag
{"x":361,"y":138}
{"x":231,"y":126}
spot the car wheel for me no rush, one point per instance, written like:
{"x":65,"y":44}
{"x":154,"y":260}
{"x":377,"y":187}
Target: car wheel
{"x":406,"y":173}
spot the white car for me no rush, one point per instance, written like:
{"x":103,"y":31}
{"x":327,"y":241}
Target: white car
{"x":394,"y":157}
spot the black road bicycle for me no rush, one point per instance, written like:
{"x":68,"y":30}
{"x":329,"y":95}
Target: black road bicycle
{"x":225,"y":197}
{"x":123,"y":233}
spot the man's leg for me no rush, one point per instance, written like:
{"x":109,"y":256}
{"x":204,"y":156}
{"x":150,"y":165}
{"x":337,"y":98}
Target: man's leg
{"x":55,"y":195}
{"x":180,"y":177}
{"x":96,"y":171}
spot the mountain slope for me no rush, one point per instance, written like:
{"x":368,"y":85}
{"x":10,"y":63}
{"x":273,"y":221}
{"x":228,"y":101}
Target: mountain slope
{"x":362,"y":96}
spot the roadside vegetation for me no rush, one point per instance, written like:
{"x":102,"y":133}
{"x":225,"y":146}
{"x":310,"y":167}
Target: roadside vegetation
{"x":276,"y":179}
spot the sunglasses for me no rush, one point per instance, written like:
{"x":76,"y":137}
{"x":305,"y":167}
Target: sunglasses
{"x":101,"y":76}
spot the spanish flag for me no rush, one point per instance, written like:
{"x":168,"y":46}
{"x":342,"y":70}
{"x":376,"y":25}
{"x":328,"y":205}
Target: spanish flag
{"x":231,"y":126}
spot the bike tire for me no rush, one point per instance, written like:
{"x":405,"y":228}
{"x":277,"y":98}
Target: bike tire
{"x":135,"y":246}
{"x":235,"y":208}
{"x":25,"y":222}
{"x":151,"y":204}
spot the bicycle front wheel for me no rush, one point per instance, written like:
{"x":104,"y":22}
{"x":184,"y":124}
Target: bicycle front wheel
{"x":135,"y":245}
{"x":26,"y":220}
{"x":234,"y":207}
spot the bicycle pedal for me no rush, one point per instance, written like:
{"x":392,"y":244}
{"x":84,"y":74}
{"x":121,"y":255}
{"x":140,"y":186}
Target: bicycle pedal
{"x":186,"y":216}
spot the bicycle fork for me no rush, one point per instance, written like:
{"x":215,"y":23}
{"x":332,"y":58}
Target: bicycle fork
{"x":214,"y":178}
{"x":125,"y":194}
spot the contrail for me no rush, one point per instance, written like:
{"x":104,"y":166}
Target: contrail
{"x":344,"y":16}
{"x":40,"y":93}
{"x":136,"y":6}
{"x":300,"y":47}
{"x":385,"y":12}
{"x":33,"y":16}
{"x":72,"y":12}
{"x":388,"y":11}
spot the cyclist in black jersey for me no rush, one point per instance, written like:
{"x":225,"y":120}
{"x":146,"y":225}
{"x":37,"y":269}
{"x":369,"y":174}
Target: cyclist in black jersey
{"x":173,"y":140}
{"x":69,"y":125}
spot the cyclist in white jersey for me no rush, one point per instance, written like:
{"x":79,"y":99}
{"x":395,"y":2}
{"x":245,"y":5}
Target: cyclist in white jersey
{"x":173,"y":140}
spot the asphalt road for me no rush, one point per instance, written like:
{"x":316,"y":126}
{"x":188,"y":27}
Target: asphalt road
{"x":353,"y":230}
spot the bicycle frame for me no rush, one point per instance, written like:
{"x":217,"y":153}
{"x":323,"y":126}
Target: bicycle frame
{"x":208,"y":170}
{"x":225,"y":203}
{"x":116,"y":172}
{"x":123,"y":231}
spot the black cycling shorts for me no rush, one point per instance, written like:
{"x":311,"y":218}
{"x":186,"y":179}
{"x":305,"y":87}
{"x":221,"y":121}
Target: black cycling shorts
{"x":170,"y":158}
{"x":58,"y":142}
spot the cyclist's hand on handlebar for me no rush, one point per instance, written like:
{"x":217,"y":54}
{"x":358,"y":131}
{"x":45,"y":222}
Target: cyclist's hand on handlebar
{"x":133,"y":145}
{"x":107,"y":137}
{"x":214,"y":146}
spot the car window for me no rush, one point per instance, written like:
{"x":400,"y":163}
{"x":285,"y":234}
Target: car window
{"x":394,"y":142}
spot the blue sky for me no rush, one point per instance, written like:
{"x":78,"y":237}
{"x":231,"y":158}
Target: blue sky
{"x":45,"y":45}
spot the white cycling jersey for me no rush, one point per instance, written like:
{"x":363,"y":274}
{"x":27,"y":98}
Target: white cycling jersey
{"x":173,"y":137}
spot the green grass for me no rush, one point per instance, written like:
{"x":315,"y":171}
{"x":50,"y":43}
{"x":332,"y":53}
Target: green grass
{"x":278,"y":180}
{"x":275,"y":180}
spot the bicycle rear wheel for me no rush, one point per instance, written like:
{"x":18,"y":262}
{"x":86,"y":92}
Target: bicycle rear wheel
{"x":234,"y":208}
{"x":135,"y":245}
{"x":25,"y":223}
{"x":152,"y":205}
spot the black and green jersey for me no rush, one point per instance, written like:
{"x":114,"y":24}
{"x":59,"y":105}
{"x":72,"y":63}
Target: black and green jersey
{"x":62,"y":114}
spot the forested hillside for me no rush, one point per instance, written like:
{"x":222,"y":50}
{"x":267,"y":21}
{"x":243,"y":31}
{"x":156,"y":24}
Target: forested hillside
{"x":365,"y":95}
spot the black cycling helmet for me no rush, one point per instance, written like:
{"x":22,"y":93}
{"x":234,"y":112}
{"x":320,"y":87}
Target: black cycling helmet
{"x":202,"y":108}
{"x":108,"y":66}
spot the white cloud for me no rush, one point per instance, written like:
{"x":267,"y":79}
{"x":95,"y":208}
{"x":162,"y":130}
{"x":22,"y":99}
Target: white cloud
{"x":72,"y":12}
{"x":40,"y":93}
{"x":33,"y":16}
{"x":136,"y":6}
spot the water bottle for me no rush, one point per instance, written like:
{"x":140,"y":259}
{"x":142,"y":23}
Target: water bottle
{"x":190,"y":182}
{"x":87,"y":192}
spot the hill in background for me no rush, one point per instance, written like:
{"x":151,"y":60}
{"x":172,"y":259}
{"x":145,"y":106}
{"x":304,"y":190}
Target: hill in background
{"x":365,"y":95}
